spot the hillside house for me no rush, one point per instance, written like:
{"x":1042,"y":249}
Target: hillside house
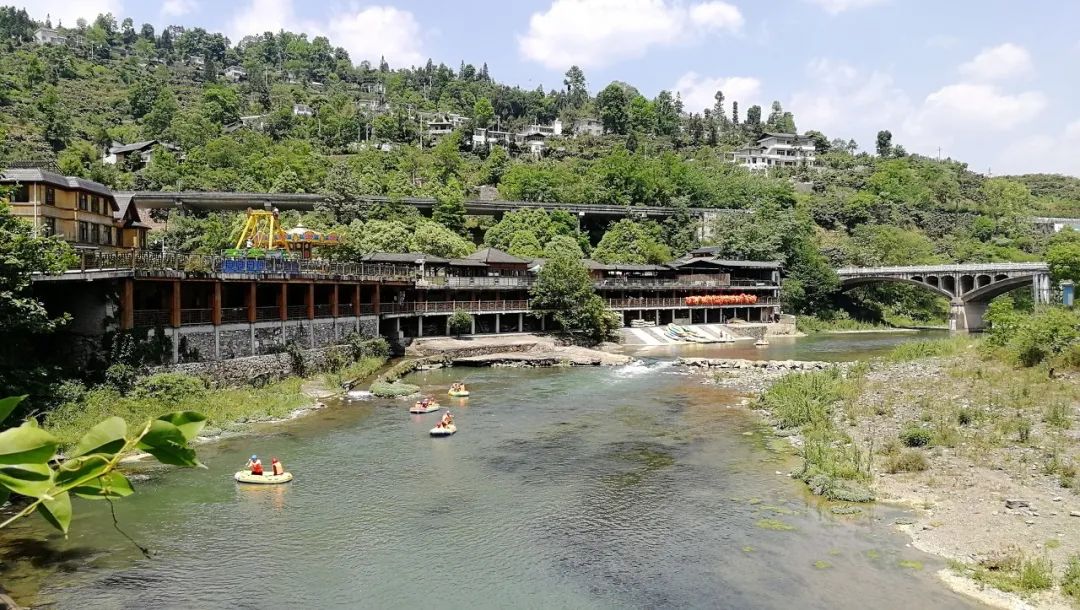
{"x":235,"y":73}
{"x":588,"y":127}
{"x":49,"y":36}
{"x":302,"y":110}
{"x":138,"y":153}
{"x":776,"y":150}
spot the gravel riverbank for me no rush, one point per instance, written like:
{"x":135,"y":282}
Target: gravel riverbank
{"x":999,"y":466}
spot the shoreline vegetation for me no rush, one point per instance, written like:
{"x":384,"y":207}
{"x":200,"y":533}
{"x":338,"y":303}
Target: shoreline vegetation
{"x":981,"y":447}
{"x":845,"y":325}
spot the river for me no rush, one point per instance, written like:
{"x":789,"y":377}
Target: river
{"x":624,"y":487}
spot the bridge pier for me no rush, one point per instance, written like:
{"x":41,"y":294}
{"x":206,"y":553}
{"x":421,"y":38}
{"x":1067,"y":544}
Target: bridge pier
{"x":966,"y":316}
{"x":1040,"y":288}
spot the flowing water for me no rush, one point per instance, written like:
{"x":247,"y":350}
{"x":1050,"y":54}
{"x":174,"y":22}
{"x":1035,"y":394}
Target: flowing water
{"x":626,"y":487}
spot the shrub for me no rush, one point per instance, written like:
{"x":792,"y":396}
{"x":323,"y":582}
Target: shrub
{"x":908,"y":460}
{"x":934,"y":348}
{"x":121,"y":376}
{"x":803,"y":398}
{"x":1018,"y":574}
{"x":168,"y":388}
{"x":1070,"y":580}
{"x":1056,"y":414}
{"x":1023,"y":428}
{"x":397,"y":389}
{"x":368,"y":347}
{"x":460,"y":322}
{"x":965,"y":416}
{"x":915,"y":436}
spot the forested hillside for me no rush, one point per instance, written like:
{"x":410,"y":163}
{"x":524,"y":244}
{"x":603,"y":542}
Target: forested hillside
{"x":116,"y":82}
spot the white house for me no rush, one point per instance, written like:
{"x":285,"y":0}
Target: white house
{"x":196,"y":60}
{"x":483,"y":136}
{"x":302,"y":110}
{"x":47,"y":36}
{"x":777,"y":150}
{"x":588,"y":127}
{"x":118,"y":154}
{"x":235,"y":73}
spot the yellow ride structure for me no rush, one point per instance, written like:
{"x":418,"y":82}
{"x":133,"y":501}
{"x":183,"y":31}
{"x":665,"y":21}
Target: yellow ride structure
{"x":262,"y":229}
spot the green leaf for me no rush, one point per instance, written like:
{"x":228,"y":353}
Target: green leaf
{"x":31,"y":480}
{"x":106,"y":437}
{"x":165,"y":442}
{"x":81,"y":468}
{"x":26,"y":444}
{"x":57,"y":511}
{"x":190,"y":423}
{"x":112,"y":485}
{"x":7,"y":405}
{"x":4,"y":493}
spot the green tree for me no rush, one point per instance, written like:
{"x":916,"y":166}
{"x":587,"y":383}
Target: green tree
{"x":641,"y":115}
{"x":55,"y":118}
{"x":576,"y":89}
{"x":496,"y":164}
{"x":884,"y":143}
{"x":524,"y":244}
{"x":611,"y":104}
{"x":627,"y":241}
{"x":667,"y":117}
{"x":25,"y":324}
{"x":812,"y":284}
{"x":564,"y":290}
{"x":449,"y":210}
{"x":1063,"y":255}
{"x":483,"y":112}
{"x":160,"y":116}
{"x":563,"y":245}
{"x":435,"y":239}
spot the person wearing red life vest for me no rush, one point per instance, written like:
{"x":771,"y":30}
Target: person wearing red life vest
{"x":255,"y":465}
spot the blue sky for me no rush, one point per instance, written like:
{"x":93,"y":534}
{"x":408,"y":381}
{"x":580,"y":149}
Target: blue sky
{"x":990,"y":82}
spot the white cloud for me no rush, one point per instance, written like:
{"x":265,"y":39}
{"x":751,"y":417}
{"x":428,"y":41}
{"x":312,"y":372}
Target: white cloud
{"x":176,"y":8}
{"x":1041,"y":153}
{"x":68,"y":11}
{"x":845,"y":102}
{"x":595,"y":33}
{"x":836,"y":7}
{"x":1001,"y":62}
{"x":1072,"y":130}
{"x":368,"y":33}
{"x":697,"y":91}
{"x":378,"y":31}
{"x":972,"y":106}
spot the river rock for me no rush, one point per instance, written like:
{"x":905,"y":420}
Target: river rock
{"x":1075,"y":513}
{"x":1017,"y":504}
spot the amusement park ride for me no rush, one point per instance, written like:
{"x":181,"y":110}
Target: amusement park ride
{"x":263,"y":232}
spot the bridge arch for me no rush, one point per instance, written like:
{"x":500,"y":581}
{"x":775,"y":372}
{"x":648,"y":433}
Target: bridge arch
{"x":988,"y":292}
{"x":930,"y":284}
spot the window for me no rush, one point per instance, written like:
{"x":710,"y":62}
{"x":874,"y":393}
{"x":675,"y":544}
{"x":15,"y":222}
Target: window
{"x":48,"y":225}
{"x":142,"y":239}
{"x":83,"y":201}
{"x":106,"y":235}
{"x":84,"y":231}
{"x":22,"y":193}
{"x":50,"y":195}
{"x":95,"y":206}
{"x":95,"y":234}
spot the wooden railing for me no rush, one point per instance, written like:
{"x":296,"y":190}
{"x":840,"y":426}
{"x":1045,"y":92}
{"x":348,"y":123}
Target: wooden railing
{"x":150,"y":262}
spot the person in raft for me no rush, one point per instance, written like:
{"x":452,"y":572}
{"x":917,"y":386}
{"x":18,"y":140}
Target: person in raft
{"x":255,"y":465}
{"x":447,"y":419}
{"x":278,"y":467}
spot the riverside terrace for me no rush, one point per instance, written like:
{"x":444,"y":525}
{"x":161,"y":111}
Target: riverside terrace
{"x":215,"y":307}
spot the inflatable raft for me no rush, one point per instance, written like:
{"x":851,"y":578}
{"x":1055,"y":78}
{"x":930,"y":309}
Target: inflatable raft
{"x":245,"y":476}
{"x":459,"y":393}
{"x":420,"y":409}
{"x":443,"y":430}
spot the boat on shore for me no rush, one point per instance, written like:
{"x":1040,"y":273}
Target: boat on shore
{"x":245,"y":476}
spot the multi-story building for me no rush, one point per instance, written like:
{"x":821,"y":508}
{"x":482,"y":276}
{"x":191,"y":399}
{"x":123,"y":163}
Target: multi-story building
{"x":49,"y":36}
{"x":588,"y":127}
{"x":777,"y":150}
{"x":82,"y":212}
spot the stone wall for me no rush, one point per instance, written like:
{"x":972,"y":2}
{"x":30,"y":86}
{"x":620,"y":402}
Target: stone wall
{"x":260,"y":370}
{"x":205,"y":343}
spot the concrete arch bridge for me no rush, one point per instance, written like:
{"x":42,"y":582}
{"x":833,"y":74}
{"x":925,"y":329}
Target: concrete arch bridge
{"x":969,"y":288}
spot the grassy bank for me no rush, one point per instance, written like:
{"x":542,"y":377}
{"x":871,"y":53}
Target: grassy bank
{"x":811,"y":325}
{"x":833,"y":464}
{"x":226,"y":409}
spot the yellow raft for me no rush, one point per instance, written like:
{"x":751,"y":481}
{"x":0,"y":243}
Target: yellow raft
{"x":458,"y":393}
{"x":245,"y":476}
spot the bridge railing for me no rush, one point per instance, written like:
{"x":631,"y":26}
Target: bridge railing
{"x":943,"y":269}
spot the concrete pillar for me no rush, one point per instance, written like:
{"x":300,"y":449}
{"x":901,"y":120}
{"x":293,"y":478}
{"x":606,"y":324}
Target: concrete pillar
{"x":658,"y":317}
{"x":706,"y":314}
{"x":397,"y":328}
{"x":127,"y":304}
{"x":356,"y":299}
{"x":252,"y":305}
{"x":447,"y":326}
{"x":1040,"y":288}
{"x":472,"y":325}
{"x":376,"y":300}
{"x":543,"y":322}
{"x":174,"y":305}
{"x":497,"y":317}
{"x":283,"y":302}
{"x":521,"y":323}
{"x":419,"y":326}
{"x":215,"y":306}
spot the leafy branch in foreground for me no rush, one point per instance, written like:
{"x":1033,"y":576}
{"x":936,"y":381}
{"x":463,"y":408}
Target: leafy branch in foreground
{"x":29,"y":467}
